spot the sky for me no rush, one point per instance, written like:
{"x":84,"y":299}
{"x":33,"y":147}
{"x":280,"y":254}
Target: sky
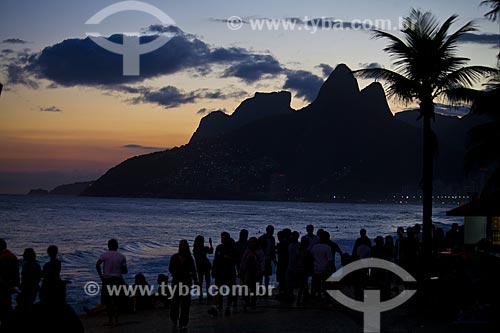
{"x":68,"y":114}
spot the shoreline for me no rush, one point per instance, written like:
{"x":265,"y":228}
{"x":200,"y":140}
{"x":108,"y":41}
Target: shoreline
{"x":250,"y":200}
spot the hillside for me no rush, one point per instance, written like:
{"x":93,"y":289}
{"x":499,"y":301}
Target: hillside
{"x":345,"y":144}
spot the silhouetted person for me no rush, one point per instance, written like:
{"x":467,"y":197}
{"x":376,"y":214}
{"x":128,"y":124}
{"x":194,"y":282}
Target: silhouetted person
{"x":389,"y":248}
{"x":268,"y":245}
{"x":224,"y":271}
{"x":333,"y":246}
{"x":362,"y":240}
{"x":304,"y":269}
{"x":9,"y":279}
{"x":416,"y":232}
{"x":115,"y":265}
{"x":252,"y":268}
{"x":51,"y":314}
{"x":397,"y":245}
{"x":293,"y":258}
{"x":51,"y":272}
{"x":323,"y":263}
{"x":377,"y":251}
{"x":242,"y":243}
{"x":313,"y":239}
{"x":282,"y":252}
{"x":203,"y":265}
{"x":31,"y":275}
{"x":409,"y":252}
{"x":183,"y":272}
{"x":141,"y":301}
{"x":52,"y":269}
{"x":389,"y":256}
{"x":55,"y":315}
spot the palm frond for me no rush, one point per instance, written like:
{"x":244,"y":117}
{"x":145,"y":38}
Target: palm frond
{"x":495,"y":11}
{"x":396,"y":85}
{"x":442,"y":33}
{"x":424,"y":60}
{"x":420,"y":23}
{"x":458,"y":96}
{"x":452,"y":40}
{"x":465,"y":76}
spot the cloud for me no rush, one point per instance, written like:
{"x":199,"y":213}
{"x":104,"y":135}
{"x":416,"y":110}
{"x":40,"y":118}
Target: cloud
{"x":491,"y":39}
{"x":225,"y":20}
{"x":50,"y":109}
{"x":168,"y":96}
{"x":448,"y":110}
{"x":220,"y":94}
{"x":171,"y":97}
{"x":82,"y":62}
{"x":255,"y":68}
{"x":370,"y":65}
{"x":14,"y":41}
{"x":159,"y":28}
{"x":75,"y":62}
{"x":451,"y":110}
{"x":326,"y":69}
{"x":205,"y":111}
{"x":305,"y":84}
{"x":17,"y":75}
{"x":135,"y":146}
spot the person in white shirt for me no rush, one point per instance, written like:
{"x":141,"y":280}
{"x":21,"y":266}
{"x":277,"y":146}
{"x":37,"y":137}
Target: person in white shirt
{"x":115,"y":265}
{"x":323,"y":264}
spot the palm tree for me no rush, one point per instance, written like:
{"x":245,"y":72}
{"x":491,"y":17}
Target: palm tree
{"x":482,"y":141}
{"x":493,"y":15}
{"x":495,"y":9}
{"x":426,"y":68}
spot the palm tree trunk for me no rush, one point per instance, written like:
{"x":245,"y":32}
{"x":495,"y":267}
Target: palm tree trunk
{"x":427,"y":109}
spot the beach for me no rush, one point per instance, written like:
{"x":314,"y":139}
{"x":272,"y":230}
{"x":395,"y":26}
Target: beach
{"x":149,"y":230}
{"x":272,"y":316}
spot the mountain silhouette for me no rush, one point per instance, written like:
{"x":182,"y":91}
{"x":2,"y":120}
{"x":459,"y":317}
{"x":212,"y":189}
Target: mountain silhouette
{"x":345,"y":144}
{"x":262,"y":105}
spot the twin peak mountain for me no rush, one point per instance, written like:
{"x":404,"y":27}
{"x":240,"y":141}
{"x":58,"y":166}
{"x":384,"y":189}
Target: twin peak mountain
{"x":339,"y":97}
{"x":345,"y":144}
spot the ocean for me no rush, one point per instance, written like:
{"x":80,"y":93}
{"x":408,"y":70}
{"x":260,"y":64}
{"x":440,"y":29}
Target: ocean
{"x":149,"y":230}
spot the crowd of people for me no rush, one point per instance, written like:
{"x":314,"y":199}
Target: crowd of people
{"x":248,"y":261}
{"x":52,"y":313}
